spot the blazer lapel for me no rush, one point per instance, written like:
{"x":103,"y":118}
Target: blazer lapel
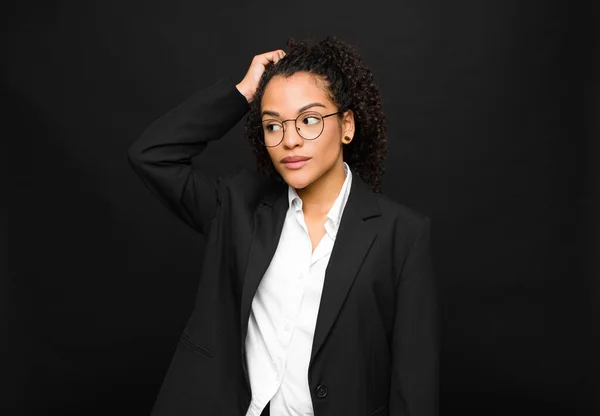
{"x":269,"y":217}
{"x":352,"y":243}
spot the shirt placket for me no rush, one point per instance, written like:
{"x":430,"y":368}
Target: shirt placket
{"x":294,"y":292}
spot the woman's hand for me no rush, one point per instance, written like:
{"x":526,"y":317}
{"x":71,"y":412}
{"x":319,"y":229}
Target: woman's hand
{"x":249,"y":84}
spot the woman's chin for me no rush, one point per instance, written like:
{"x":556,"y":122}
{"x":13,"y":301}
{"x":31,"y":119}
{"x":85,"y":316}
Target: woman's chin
{"x":296,"y":180}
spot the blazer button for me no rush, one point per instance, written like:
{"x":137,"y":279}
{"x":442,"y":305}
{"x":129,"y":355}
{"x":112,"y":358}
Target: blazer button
{"x":321,"y":391}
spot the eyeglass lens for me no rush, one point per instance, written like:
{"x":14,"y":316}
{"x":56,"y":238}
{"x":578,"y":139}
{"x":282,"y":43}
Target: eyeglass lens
{"x":308,"y":125}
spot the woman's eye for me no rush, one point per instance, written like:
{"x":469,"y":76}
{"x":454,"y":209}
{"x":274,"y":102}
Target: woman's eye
{"x":311,"y":120}
{"x":272,"y":127}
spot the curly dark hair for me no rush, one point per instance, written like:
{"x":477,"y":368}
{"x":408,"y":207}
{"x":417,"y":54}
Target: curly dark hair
{"x":350,"y":85}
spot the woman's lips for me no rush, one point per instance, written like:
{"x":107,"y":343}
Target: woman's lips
{"x":295,"y":165}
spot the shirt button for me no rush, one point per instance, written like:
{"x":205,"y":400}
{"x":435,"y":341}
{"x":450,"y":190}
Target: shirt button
{"x":321,"y":391}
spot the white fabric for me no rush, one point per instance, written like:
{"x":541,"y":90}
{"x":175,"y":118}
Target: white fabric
{"x":284,"y":312}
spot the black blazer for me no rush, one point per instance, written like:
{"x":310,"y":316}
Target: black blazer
{"x":375,"y":348}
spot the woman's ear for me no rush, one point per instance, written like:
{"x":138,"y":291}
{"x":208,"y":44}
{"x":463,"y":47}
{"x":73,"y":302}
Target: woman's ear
{"x":348,"y":126}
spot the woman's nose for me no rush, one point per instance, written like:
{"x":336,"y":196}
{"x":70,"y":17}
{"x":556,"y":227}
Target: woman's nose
{"x":291,"y":137}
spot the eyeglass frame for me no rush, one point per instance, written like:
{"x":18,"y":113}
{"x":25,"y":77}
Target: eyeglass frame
{"x":282,"y":122}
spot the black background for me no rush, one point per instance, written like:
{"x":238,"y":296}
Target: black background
{"x":493,"y":128}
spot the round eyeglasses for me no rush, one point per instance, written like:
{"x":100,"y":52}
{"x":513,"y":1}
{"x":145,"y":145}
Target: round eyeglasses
{"x":309,"y":126}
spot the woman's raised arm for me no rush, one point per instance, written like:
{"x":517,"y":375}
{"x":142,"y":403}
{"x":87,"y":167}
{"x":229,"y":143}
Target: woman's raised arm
{"x":162,"y":155}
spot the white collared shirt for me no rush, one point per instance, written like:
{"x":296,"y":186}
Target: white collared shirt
{"x":284,"y":312}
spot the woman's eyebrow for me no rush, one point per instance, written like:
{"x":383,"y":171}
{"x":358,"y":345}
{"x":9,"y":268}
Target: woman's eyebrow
{"x":300,"y":110}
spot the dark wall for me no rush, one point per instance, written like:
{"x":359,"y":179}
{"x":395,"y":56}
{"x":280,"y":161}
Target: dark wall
{"x":493,"y":121}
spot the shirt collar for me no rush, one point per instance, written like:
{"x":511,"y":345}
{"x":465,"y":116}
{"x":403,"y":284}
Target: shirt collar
{"x":335,"y":213}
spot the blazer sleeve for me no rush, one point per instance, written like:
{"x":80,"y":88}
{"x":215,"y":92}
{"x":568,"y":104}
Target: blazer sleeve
{"x":415,"y":340}
{"x":162,"y":155}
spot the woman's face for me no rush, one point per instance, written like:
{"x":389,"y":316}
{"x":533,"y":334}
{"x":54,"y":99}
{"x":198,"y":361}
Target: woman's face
{"x":287,"y":98}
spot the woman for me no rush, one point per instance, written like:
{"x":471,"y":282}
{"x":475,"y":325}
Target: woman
{"x":317,"y":293}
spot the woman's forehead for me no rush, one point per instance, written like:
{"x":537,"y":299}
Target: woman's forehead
{"x":289,"y":93}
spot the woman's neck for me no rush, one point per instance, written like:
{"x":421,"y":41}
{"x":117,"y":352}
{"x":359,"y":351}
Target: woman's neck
{"x":319,"y":196}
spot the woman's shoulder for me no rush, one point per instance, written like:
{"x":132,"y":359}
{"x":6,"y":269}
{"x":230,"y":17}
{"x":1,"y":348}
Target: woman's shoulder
{"x":401,"y":217}
{"x":251,"y":185}
{"x":402,"y":210}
